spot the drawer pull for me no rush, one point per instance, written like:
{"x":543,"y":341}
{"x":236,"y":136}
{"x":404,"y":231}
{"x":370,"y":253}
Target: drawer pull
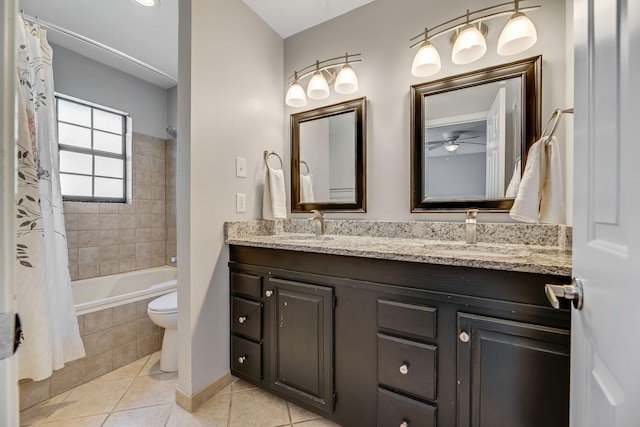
{"x":241,"y":359}
{"x":404,"y":424}
{"x":464,"y":337}
{"x":404,"y":369}
{"x":268,"y":293}
{"x":242,"y":319}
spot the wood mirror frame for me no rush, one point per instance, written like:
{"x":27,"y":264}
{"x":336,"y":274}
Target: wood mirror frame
{"x":529,"y":70}
{"x":359,"y":107}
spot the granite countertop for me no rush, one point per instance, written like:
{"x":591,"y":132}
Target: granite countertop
{"x":496,"y":254}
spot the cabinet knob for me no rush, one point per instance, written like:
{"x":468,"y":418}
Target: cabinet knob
{"x":268,"y":293}
{"x":242,"y":319}
{"x":464,"y":337}
{"x":241,"y":359}
{"x":404,"y":369}
{"x":404,"y":424}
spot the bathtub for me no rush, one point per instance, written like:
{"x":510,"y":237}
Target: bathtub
{"x":100,"y":293}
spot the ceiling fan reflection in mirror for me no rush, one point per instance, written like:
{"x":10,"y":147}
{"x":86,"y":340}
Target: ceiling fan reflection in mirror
{"x":451,"y":141}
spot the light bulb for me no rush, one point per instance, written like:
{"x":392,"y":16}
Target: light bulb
{"x":469,"y":46}
{"x":296,"y":96}
{"x":517,"y":36}
{"x":451,"y":147}
{"x":147,"y":3}
{"x":318,"y":87}
{"x":427,"y":61}
{"x":347,"y":81}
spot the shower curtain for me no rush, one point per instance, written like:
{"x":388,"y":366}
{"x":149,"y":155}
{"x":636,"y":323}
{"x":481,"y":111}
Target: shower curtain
{"x":44,"y":298}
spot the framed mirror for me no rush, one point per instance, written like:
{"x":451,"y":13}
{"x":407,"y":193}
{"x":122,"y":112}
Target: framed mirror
{"x":328,"y":152}
{"x":470,"y":135}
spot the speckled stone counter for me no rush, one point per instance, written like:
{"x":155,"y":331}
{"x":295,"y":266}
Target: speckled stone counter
{"x":531,"y":248}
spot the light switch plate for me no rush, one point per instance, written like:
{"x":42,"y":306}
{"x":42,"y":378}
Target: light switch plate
{"x":241,"y":202}
{"x":241,"y":167}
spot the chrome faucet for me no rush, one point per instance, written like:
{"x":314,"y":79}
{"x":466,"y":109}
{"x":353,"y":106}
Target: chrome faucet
{"x":318,"y":222}
{"x":472,"y":215}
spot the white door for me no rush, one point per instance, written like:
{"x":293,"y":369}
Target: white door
{"x":605,"y":347}
{"x":496,"y":136}
{"x":8,"y":369}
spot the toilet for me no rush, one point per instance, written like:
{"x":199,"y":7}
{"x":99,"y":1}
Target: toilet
{"x":163,"y":311}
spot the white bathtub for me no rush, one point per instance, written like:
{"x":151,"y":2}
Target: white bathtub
{"x":104,"y":292}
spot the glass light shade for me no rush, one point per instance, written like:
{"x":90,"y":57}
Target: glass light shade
{"x":517,"y":36}
{"x":469,"y":46}
{"x":427,"y":61}
{"x":347,"y":81}
{"x":147,"y":3}
{"x":296,"y":96}
{"x":451,"y":147}
{"x":318,"y":87}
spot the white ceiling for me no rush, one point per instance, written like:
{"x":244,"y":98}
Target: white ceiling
{"x":288,"y":17}
{"x":151,"y":34}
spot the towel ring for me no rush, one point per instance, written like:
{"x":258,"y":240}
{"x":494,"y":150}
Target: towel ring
{"x":302,"y":162}
{"x":267,"y":154}
{"x":555,"y":116}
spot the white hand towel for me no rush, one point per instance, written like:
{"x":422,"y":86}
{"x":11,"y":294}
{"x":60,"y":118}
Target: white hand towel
{"x":526,"y":206}
{"x":306,"y":188}
{"x":552,"y":209}
{"x":274,"y":200}
{"x":512,"y":189}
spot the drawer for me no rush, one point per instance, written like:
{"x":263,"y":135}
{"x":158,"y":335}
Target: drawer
{"x":246,"y":284}
{"x":393,"y":410}
{"x":411,"y":319}
{"x":246,"y":318}
{"x":246,"y":357}
{"x":407,"y":366}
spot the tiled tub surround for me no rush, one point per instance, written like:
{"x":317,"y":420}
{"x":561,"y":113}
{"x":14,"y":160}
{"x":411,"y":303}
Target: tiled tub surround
{"x":112,"y":338}
{"x":529,"y":248}
{"x":109,"y":238}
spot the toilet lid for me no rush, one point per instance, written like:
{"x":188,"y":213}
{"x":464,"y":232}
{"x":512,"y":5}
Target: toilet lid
{"x":165,"y":303}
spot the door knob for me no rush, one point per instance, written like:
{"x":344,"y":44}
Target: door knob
{"x":464,"y":337}
{"x":572,"y":292}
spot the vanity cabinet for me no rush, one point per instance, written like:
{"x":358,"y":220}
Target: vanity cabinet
{"x":369,"y":342}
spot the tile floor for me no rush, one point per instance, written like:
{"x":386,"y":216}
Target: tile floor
{"x":139,"y":394}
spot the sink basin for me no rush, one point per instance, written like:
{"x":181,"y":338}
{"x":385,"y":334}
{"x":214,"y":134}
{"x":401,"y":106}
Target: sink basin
{"x":463,"y":249}
{"x":307,"y":238}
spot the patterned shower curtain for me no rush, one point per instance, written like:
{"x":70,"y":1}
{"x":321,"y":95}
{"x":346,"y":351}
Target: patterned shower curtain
{"x":44,"y":298}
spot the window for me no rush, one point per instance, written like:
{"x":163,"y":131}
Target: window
{"x":92,"y":144}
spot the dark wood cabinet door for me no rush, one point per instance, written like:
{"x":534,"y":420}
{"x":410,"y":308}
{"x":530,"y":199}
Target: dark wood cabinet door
{"x":301,"y":351}
{"x":511,"y":374}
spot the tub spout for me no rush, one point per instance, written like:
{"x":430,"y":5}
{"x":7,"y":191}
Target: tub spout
{"x":173,"y":259}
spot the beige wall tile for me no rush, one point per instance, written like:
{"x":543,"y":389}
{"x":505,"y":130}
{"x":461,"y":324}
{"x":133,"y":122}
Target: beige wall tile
{"x":171,"y":234}
{"x":88,"y":221}
{"x":109,"y":267}
{"x":124,"y":313}
{"x":127,"y":251}
{"x":125,"y":354}
{"x":157,"y":168}
{"x":142,"y":191}
{"x":143,"y":250}
{"x":98,"y":321}
{"x":141,"y":308}
{"x":88,"y":208}
{"x":143,"y":220}
{"x":142,"y":263}
{"x":80,"y":320}
{"x":158,"y":234}
{"x":109,"y":253}
{"x":87,"y":271}
{"x":88,"y":238}
{"x":108,"y":221}
{"x":98,"y":365}
{"x":109,"y":208}
{"x":127,"y":221}
{"x":145,"y":327}
{"x":125,"y":265}
{"x":72,"y":239}
{"x":144,"y":206}
{"x":158,"y":206}
{"x":148,"y":345}
{"x":157,"y":220}
{"x":143,"y":235}
{"x":157,"y":248}
{"x":74,"y":273}
{"x":142,"y":177}
{"x":73,"y":256}
{"x":70,"y":208}
{"x":98,"y":342}
{"x":126,"y":208}
{"x":125,"y":333}
{"x":158,"y":192}
{"x":71,"y":221}
{"x":171,"y":250}
{"x":171,"y":190}
{"x":109,"y":237}
{"x":33,"y":392}
{"x":127,"y":235}
{"x":88,"y":255}
{"x":158,"y":261}
{"x":70,"y":376}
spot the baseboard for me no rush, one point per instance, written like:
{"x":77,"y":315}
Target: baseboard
{"x":191,"y":403}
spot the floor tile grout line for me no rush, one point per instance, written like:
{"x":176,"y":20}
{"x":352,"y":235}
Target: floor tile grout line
{"x":289,"y":413}
{"x":230,"y":405}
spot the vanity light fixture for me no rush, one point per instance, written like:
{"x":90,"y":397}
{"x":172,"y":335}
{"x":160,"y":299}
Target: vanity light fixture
{"x":147,"y":3}
{"x":335,"y":71}
{"x":451,"y":147}
{"x":468,"y":39}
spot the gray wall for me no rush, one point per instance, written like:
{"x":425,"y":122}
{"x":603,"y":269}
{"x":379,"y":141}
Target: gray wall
{"x":83,"y":78}
{"x":461,"y":174}
{"x":381,"y":31}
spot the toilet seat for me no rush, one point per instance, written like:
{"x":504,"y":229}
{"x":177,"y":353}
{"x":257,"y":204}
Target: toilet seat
{"x":166,"y":304}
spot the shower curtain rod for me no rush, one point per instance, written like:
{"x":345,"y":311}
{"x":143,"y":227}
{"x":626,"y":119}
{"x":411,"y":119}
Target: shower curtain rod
{"x":66,"y":32}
